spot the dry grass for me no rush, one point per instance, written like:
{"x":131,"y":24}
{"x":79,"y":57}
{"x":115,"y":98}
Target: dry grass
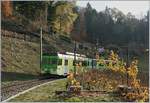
{"x":20,"y":56}
{"x":47,"y":94}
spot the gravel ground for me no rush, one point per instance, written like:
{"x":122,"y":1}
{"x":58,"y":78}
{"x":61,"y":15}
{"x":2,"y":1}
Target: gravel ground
{"x":19,"y":86}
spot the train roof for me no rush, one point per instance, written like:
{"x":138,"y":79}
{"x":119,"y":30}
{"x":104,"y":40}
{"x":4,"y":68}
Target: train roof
{"x":67,"y":55}
{"x":71,"y":54}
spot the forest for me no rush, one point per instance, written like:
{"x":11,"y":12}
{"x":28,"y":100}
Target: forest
{"x":110,"y":26}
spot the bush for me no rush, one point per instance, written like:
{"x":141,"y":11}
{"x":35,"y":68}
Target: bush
{"x":65,"y":38}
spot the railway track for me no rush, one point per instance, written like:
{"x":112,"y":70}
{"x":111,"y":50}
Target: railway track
{"x":15,"y":88}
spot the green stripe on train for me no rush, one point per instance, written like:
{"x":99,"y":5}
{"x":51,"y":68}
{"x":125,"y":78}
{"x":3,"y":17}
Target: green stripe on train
{"x":49,"y":64}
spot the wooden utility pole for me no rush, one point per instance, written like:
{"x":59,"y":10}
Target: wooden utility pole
{"x":75,"y":58}
{"x":41,"y":52}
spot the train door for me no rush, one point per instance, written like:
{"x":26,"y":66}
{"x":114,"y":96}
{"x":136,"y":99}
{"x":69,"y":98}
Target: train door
{"x":70,"y":65}
{"x":94,"y":64}
{"x":65,"y":67}
{"x":59,"y":66}
{"x":89,"y":64}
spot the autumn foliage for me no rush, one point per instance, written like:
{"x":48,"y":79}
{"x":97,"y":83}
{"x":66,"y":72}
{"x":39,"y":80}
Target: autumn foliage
{"x":138,"y":92}
{"x":112,"y":76}
{"x":6,"y":8}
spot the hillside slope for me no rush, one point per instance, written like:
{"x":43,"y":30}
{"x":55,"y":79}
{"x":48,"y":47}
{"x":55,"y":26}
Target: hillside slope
{"x":23,"y":56}
{"x":19,"y":55}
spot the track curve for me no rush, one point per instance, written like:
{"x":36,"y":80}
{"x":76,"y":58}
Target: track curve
{"x":15,"y":88}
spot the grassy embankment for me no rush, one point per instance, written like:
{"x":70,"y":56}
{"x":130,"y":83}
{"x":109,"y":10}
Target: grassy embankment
{"x":46,"y":93}
{"x":18,"y":54}
{"x":19,"y":57}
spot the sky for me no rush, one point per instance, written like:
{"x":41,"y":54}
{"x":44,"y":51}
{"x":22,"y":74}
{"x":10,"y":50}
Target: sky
{"x":137,"y":8}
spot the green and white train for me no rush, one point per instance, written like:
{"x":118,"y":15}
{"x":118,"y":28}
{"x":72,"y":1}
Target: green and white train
{"x":62,"y":63}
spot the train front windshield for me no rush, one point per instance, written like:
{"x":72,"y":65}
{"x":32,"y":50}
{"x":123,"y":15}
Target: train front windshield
{"x":94,"y":63}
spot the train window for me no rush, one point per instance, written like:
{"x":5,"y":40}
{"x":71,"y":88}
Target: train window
{"x":66,"y":62}
{"x":53,"y":61}
{"x":88,"y":63}
{"x":84,"y":63}
{"x":73,"y":62}
{"x":59,"y":61}
{"x":94,"y":62}
{"x":44,"y":61}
